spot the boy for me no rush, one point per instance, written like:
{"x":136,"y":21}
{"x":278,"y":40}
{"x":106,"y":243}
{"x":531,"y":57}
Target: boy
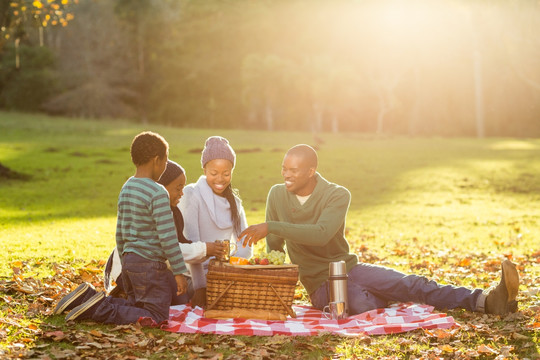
{"x":145,"y":237}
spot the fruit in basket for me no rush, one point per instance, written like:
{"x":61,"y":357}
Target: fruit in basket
{"x":237,"y":260}
{"x":274,"y":257}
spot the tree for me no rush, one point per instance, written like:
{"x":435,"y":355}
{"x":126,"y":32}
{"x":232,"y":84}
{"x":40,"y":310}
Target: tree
{"x":263,"y":76}
{"x":17,"y":16}
{"x":96,"y":67}
{"x":522,"y":43}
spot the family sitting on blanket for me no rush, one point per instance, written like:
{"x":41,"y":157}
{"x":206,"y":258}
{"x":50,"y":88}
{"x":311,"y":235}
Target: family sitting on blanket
{"x":307,"y":214}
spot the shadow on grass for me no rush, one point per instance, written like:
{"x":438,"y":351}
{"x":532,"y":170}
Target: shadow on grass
{"x":7,"y":173}
{"x":78,"y":167}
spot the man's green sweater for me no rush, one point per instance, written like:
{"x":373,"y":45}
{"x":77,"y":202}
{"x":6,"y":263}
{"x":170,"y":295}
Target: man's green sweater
{"x":314,"y":233}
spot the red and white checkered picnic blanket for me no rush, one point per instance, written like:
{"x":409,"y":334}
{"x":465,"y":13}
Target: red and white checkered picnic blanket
{"x":310,"y":321}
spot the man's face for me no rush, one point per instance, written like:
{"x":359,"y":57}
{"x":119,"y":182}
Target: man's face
{"x":297,"y":175}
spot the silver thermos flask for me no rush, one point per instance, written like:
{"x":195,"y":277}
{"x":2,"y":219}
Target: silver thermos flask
{"x":337,"y":283}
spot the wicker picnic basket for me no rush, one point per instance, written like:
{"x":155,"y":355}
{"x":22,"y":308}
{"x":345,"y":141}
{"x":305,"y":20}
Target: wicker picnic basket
{"x":253,"y":287}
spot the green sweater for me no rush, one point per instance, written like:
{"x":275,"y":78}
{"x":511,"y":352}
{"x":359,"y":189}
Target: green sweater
{"x":314,"y":233}
{"x":145,"y":224}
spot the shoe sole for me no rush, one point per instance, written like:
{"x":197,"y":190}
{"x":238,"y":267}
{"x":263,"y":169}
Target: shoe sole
{"x":511,"y":278}
{"x":76,"y":312}
{"x":69,"y":298}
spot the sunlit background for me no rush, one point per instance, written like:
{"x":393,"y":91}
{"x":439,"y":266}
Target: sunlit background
{"x":448,"y":68}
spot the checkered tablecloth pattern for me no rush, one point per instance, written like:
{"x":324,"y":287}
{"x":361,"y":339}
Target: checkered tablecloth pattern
{"x":310,"y":321}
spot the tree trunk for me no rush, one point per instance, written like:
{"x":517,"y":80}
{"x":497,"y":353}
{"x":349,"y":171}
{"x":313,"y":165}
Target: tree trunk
{"x":479,"y":94}
{"x":335,"y":122}
{"x":140,"y":31}
{"x":269,"y":113}
{"x":383,"y":110}
{"x":414,"y":118}
{"x":318,"y":112}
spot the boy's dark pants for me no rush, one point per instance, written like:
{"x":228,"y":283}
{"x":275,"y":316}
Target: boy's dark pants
{"x":148,"y":289}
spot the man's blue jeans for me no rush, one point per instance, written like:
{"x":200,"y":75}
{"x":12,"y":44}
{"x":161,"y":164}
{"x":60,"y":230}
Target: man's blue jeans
{"x":148,"y":288}
{"x":371,"y":286}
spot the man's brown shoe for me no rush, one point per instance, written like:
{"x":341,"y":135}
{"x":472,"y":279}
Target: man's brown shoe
{"x":502,"y":299}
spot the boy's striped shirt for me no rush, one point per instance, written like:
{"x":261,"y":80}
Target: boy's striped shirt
{"x":145,"y":224}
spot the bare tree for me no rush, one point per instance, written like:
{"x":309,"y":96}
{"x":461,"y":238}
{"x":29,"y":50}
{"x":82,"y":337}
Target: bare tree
{"x":263,"y":75}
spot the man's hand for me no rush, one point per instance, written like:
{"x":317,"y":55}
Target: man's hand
{"x":253,"y":234}
{"x":181,"y":284}
{"x":199,"y":298}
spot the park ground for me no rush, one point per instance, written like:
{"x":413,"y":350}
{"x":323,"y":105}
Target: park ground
{"x":449,"y":209}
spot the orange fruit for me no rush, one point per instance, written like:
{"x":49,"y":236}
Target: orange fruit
{"x":236,"y":260}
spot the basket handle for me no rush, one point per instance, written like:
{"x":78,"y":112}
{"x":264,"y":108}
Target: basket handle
{"x":287,"y":308}
{"x":221,"y":295}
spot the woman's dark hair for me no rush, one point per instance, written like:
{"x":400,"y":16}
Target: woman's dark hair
{"x":172,"y":171}
{"x":231,"y":195}
{"x":146,"y":146}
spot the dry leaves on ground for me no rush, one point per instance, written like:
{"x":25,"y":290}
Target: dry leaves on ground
{"x":28,"y":331}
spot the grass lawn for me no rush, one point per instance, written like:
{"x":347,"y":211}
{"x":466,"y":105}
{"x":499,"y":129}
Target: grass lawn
{"x":446,"y":208}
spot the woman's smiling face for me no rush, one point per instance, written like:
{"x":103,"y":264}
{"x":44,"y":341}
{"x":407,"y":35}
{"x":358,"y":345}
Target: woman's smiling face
{"x":218,"y":175}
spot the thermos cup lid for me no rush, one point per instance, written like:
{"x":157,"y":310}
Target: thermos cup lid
{"x":337,"y":268}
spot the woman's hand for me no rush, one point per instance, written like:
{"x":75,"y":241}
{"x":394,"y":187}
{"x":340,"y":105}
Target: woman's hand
{"x":219,"y":250}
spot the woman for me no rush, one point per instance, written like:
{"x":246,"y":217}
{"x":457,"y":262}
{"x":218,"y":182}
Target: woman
{"x":212,"y":209}
{"x":174,"y":180}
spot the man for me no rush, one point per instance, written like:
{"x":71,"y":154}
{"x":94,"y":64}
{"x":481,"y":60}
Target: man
{"x":307,"y":214}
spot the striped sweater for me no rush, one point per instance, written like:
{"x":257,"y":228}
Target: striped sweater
{"x":145,"y":224}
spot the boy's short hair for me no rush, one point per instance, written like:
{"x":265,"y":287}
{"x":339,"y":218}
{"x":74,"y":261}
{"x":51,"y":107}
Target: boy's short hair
{"x":147,"y":145}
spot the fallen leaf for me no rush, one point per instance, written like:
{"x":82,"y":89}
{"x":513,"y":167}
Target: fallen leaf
{"x":239,"y":344}
{"x":197,"y":349}
{"x":55,"y":335}
{"x":506,"y":350}
{"x":439,"y":333}
{"x":96,"y":333}
{"x":484,"y":349}
{"x":94,"y":344}
{"x":518,"y":336}
{"x":446,"y":348}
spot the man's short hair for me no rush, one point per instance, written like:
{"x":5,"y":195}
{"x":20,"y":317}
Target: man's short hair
{"x":306,"y":152}
{"x":146,"y":146}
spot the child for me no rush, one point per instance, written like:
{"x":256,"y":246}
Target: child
{"x":174,"y":180}
{"x":145,"y":238}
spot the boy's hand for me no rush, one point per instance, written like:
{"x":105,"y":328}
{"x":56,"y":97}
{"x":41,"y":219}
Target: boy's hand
{"x":181,"y":284}
{"x":215,"y":249}
{"x":253,"y":234}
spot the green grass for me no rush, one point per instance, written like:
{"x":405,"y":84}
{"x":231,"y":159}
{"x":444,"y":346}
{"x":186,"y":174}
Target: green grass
{"x":473,"y":195}
{"x":418,"y":204}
